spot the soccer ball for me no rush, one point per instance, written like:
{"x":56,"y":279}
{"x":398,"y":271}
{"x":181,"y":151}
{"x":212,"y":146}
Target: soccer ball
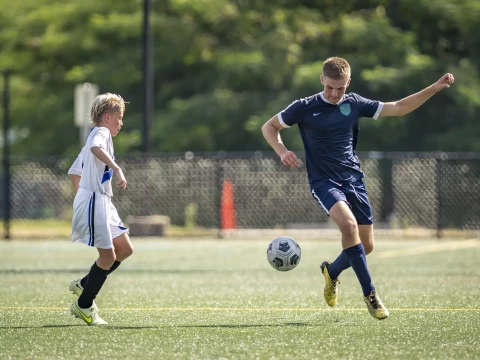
{"x":284,"y":253}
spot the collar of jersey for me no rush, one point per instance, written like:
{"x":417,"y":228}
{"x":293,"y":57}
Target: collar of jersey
{"x":329,"y":102}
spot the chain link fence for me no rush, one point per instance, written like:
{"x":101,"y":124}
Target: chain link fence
{"x":434,"y":191}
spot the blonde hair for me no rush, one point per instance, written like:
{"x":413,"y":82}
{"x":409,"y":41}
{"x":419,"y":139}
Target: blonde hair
{"x":336,"y":68}
{"x":105,"y":103}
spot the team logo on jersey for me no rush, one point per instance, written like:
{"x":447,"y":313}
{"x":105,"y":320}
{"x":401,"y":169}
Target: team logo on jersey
{"x":107,"y":175}
{"x":345,"y":109}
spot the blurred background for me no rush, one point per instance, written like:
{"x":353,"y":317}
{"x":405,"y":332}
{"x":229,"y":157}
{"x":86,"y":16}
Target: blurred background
{"x":202,"y":76}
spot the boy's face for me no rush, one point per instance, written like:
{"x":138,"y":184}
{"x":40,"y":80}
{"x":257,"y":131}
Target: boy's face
{"x":114,"y":122}
{"x":334,"y":89}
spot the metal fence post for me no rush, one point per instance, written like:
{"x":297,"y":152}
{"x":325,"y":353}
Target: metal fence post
{"x":439,"y":196}
{"x":385,"y":164}
{"x":219,"y":186}
{"x":6,"y":152}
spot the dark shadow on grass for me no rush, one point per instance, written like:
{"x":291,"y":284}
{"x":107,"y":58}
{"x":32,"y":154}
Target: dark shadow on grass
{"x":132,"y":327}
{"x":239,"y":326}
{"x":40,"y":327}
{"x":85,"y":270}
{"x":213,"y":326}
{"x":61,"y":326}
{"x":226,"y":326}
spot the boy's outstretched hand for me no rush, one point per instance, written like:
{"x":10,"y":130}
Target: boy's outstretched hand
{"x":444,"y":82}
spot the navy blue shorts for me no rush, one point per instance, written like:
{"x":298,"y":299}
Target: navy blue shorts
{"x":354,"y":194}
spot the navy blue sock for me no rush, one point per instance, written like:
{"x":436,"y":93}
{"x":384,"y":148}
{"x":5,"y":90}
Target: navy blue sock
{"x":357,"y":259}
{"x":341,"y":263}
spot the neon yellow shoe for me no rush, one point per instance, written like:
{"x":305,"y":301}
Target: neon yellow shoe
{"x":77,"y":288}
{"x":330,"y":291}
{"x":375,"y":306}
{"x":90,"y":315}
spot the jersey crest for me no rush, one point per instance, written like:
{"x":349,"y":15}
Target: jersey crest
{"x":345,"y":109}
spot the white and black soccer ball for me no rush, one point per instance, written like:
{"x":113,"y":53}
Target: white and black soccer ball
{"x":283,"y":253}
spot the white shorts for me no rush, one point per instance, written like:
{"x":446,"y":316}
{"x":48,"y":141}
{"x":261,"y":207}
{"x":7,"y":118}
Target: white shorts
{"x":95,"y":220}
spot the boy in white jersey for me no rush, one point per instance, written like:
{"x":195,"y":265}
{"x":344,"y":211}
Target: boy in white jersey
{"x":95,"y":219}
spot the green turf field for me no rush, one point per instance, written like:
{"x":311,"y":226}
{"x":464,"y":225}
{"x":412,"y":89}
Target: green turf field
{"x":212,"y":299}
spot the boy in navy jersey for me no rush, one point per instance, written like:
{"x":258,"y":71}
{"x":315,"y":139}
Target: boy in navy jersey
{"x":329,"y":126}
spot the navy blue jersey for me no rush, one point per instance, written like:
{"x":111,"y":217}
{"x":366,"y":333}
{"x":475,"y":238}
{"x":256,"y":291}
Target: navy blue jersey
{"x":330,"y":134}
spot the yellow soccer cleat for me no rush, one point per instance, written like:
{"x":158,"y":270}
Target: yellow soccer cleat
{"x":90,"y":315}
{"x":375,"y":306}
{"x":77,"y":288}
{"x":330,"y":291}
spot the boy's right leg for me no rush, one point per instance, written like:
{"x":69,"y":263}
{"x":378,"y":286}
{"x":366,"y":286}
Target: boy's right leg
{"x":327,"y":196}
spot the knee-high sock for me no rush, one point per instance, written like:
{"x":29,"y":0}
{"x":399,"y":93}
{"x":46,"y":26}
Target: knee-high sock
{"x":115,"y":265}
{"x":358,"y":261}
{"x":341,"y":263}
{"x":95,"y":280}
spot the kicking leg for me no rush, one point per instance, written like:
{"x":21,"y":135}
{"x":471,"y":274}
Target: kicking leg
{"x":341,"y":214}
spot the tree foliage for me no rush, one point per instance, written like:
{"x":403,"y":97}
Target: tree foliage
{"x":224,"y":67}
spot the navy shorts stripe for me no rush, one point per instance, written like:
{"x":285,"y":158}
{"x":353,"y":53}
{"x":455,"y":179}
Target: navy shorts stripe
{"x":93,"y":220}
{"x":89,"y":221}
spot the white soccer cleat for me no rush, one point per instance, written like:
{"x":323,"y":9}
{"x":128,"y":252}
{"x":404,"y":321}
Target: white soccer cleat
{"x":90,"y":315}
{"x":77,"y":288}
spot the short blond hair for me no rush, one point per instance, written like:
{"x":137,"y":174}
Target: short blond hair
{"x":106,"y":103}
{"x":336,"y":68}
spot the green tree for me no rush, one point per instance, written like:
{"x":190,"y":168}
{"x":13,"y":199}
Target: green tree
{"x":224,"y":67}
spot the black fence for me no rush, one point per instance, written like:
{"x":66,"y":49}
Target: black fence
{"x":407,"y":190}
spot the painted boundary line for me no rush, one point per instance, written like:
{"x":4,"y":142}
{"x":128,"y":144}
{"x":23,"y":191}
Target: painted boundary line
{"x":451,"y":245}
{"x":27,"y":308}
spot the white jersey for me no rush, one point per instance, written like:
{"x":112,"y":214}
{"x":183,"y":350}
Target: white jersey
{"x":77,"y":166}
{"x":95,"y":219}
{"x":96,"y":175}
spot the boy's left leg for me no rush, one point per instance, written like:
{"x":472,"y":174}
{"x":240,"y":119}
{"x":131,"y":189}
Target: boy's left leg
{"x":123,"y":249}
{"x":341,"y":262}
{"x":121,"y":243}
{"x":366,"y":237}
{"x":357,"y":198}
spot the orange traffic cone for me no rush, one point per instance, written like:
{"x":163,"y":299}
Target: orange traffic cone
{"x":227,"y":207}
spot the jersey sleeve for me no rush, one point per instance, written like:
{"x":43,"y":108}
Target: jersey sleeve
{"x":100,"y":139}
{"x":369,"y":108}
{"x":293,"y":114}
{"x":77,"y":166}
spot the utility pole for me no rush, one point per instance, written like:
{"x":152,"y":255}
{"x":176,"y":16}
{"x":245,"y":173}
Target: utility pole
{"x":147,"y":83}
